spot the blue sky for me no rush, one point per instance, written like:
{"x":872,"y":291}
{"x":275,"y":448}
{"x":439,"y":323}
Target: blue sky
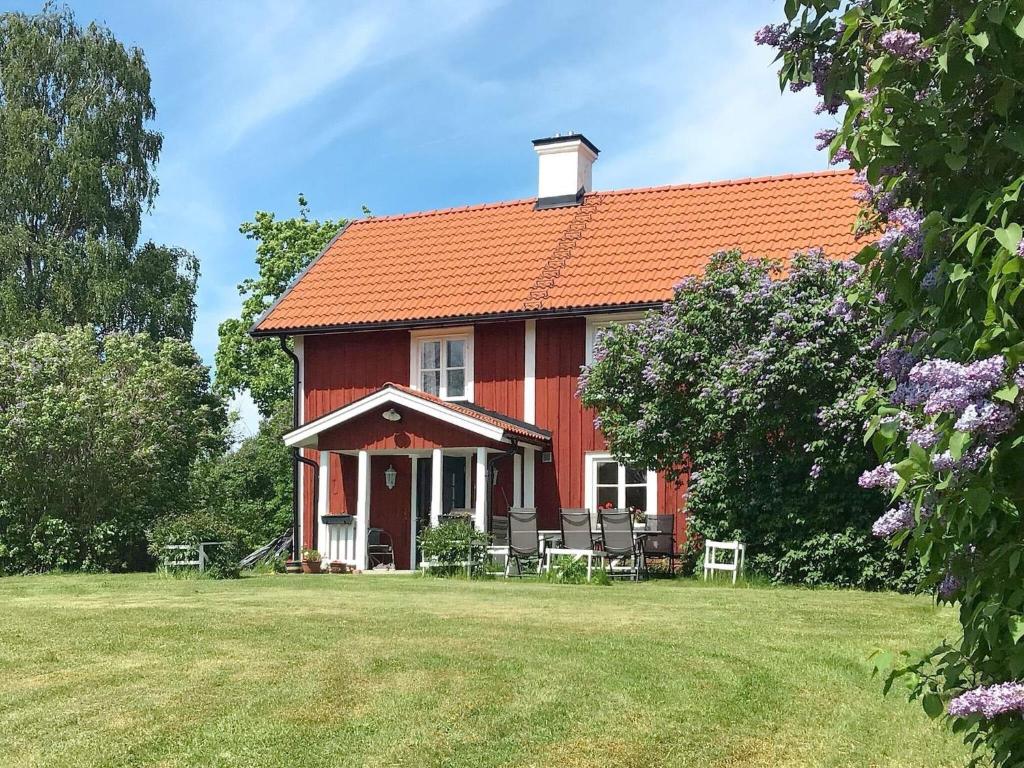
{"x":411,"y":106}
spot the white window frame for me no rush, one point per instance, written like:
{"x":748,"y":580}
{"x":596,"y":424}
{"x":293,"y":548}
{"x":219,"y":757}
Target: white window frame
{"x":416,"y":338}
{"x":591,"y":461}
{"x":596,"y":322}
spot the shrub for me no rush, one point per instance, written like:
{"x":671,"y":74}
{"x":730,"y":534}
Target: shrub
{"x":751,"y":381}
{"x":451,"y":545}
{"x":98,"y":438}
{"x":567,"y":570}
{"x":195,"y":528}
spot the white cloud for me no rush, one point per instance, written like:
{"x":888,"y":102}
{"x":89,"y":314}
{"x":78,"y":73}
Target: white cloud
{"x":729,"y":120}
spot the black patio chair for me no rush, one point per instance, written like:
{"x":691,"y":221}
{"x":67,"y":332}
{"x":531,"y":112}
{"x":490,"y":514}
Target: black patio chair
{"x":660,"y":541}
{"x":499,"y":537}
{"x":523,"y":539}
{"x":619,"y":542}
{"x":577,"y":540}
{"x":380,"y":549}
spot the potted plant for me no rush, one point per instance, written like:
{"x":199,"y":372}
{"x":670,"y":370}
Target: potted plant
{"x":337,"y":519}
{"x":338,"y":567}
{"x":310,"y":561}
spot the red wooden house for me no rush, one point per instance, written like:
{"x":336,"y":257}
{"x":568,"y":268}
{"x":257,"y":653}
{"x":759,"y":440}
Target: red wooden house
{"x":437,"y":353}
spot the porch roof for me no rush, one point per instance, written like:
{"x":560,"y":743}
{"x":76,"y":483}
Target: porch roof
{"x":468,"y":416}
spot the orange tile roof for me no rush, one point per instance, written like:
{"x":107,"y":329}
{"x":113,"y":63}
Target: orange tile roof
{"x":621,"y":248}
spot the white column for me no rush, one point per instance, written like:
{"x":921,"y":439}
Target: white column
{"x":324,"y":497}
{"x":435,"y":487}
{"x":517,"y":480}
{"x":413,"y":462}
{"x":362,"y":508}
{"x":530,"y":373}
{"x":481,"y":489}
{"x":528,"y":477}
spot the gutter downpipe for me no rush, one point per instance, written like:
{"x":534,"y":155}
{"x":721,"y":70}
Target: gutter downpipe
{"x":298,"y":458}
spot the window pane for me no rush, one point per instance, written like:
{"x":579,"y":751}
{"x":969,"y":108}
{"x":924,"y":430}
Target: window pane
{"x":636,"y":497}
{"x":456,"y":353}
{"x":430,"y":382}
{"x":607,"y":498}
{"x":430,"y":354}
{"x":456,"y":383}
{"x":636,"y":476}
{"x":607,"y":473}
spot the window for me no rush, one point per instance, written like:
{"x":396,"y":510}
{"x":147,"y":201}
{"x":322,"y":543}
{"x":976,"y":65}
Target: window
{"x":596,"y":323}
{"x":611,"y":485}
{"x":442,"y":365}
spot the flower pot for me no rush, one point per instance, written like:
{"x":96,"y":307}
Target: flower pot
{"x":337,"y":567}
{"x":293,"y":566}
{"x":311,"y":566}
{"x":337,"y":519}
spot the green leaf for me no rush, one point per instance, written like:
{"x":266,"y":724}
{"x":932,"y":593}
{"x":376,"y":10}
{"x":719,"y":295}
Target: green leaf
{"x":888,"y":140}
{"x":1009,"y":237}
{"x":980,"y":40}
{"x":957,"y":443}
{"x":959,"y":273}
{"x":1007,"y":393}
{"x":1019,"y":29}
{"x":1017,"y":624}
{"x":955,"y":162}
{"x":932,"y":705}
{"x":978,"y":499}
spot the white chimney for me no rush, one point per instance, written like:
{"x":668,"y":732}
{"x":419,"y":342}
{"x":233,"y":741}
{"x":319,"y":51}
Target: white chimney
{"x":564,"y":170}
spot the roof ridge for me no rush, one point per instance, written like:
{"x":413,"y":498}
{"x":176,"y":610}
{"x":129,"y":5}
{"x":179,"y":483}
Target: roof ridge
{"x":726,"y":182}
{"x":604,"y":193}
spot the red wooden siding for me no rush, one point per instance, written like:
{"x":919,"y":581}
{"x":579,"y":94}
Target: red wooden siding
{"x":498,"y":368}
{"x":561,"y":348}
{"x":672,"y":501}
{"x":414,"y":432}
{"x":338,"y":369}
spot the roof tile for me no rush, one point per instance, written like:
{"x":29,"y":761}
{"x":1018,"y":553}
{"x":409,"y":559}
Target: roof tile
{"x":623,"y":247}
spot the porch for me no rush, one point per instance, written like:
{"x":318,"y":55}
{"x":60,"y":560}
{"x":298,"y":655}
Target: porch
{"x":399,"y":460}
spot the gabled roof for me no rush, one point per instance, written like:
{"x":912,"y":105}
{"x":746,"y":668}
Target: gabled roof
{"x":472,"y":418}
{"x":621,"y":248}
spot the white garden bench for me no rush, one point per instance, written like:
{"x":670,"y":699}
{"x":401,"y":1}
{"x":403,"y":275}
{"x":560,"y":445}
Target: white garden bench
{"x":711,"y":564}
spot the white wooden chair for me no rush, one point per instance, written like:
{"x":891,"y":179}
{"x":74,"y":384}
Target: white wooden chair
{"x":711,"y":563}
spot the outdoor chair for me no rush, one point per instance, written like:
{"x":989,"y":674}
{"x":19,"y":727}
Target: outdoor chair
{"x":660,"y":541}
{"x":619,"y":543}
{"x":499,"y":537}
{"x":711,"y":563}
{"x":380,"y":549}
{"x":523,"y":539}
{"x":577,"y":540}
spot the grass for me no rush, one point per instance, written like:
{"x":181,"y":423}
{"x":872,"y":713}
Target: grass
{"x":407,"y":671}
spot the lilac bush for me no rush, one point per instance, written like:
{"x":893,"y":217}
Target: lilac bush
{"x":927,"y":98}
{"x":752,"y":380}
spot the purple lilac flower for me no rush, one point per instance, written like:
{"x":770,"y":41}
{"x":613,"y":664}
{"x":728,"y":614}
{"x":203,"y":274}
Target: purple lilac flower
{"x":986,"y":417}
{"x":773,"y":35}
{"x":1020,"y":247}
{"x":892,"y":521}
{"x":930,"y":280}
{"x":1018,"y":376}
{"x":842,"y":155}
{"x":841,"y":308}
{"x":824,"y":138}
{"x":895,"y":364}
{"x":815,"y":470}
{"x":926,"y":436}
{"x":905,"y":45}
{"x":989,"y":700}
{"x":883,"y":476}
{"x":982,"y":376}
{"x":949,"y":586}
{"x":904,"y":229}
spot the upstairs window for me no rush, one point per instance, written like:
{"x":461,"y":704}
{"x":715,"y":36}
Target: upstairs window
{"x":442,"y":364}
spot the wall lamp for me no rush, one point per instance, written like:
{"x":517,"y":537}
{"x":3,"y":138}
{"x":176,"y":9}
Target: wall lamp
{"x":392,"y":415}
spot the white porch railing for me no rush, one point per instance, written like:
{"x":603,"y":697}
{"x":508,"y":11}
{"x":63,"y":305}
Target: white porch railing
{"x":339,"y":543}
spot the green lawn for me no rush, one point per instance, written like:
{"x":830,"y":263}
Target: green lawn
{"x":392,"y":670}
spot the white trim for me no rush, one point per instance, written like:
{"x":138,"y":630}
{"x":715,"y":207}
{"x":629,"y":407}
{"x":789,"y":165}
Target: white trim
{"x":413,"y":482}
{"x":589,"y":483}
{"x":306,"y":435}
{"x":595,"y":322}
{"x":362,"y":508}
{"x":436,"y":462}
{"x":517,"y":480}
{"x":529,"y":476}
{"x":416,"y":337}
{"x":481,"y":489}
{"x":467,"y":476}
{"x":530,"y":373}
{"x":298,"y":347}
{"x":323,"y":537}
